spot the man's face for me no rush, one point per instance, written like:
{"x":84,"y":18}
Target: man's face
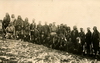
{"x":40,"y":22}
{"x":19,"y":17}
{"x":53,"y":23}
{"x":50,"y":24}
{"x":26,"y":19}
{"x":7,"y":14}
{"x":13,"y":16}
{"x":94,"y":28}
{"x":81,"y":29}
{"x":33,"y":21}
{"x":74,"y":28}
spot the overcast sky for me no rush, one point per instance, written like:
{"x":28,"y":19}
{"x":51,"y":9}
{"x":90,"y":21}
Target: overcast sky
{"x":82,"y":13}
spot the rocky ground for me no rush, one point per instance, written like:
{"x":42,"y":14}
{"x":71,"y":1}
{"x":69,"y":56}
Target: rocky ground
{"x":16,"y":51}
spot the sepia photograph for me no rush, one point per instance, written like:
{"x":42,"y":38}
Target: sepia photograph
{"x":49,"y":31}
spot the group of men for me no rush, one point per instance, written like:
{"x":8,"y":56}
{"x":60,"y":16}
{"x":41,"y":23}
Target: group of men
{"x":58,"y":37}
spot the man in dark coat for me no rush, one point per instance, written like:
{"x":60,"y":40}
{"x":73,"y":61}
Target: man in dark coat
{"x":74,"y":35}
{"x":95,"y":40}
{"x":88,"y":40}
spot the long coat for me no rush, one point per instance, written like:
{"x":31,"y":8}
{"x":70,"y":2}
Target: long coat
{"x":95,"y":40}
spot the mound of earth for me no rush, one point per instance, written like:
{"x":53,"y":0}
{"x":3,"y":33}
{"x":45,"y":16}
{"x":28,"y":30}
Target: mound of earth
{"x":17,"y":51}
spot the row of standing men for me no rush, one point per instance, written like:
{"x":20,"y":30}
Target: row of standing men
{"x":51,"y":35}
